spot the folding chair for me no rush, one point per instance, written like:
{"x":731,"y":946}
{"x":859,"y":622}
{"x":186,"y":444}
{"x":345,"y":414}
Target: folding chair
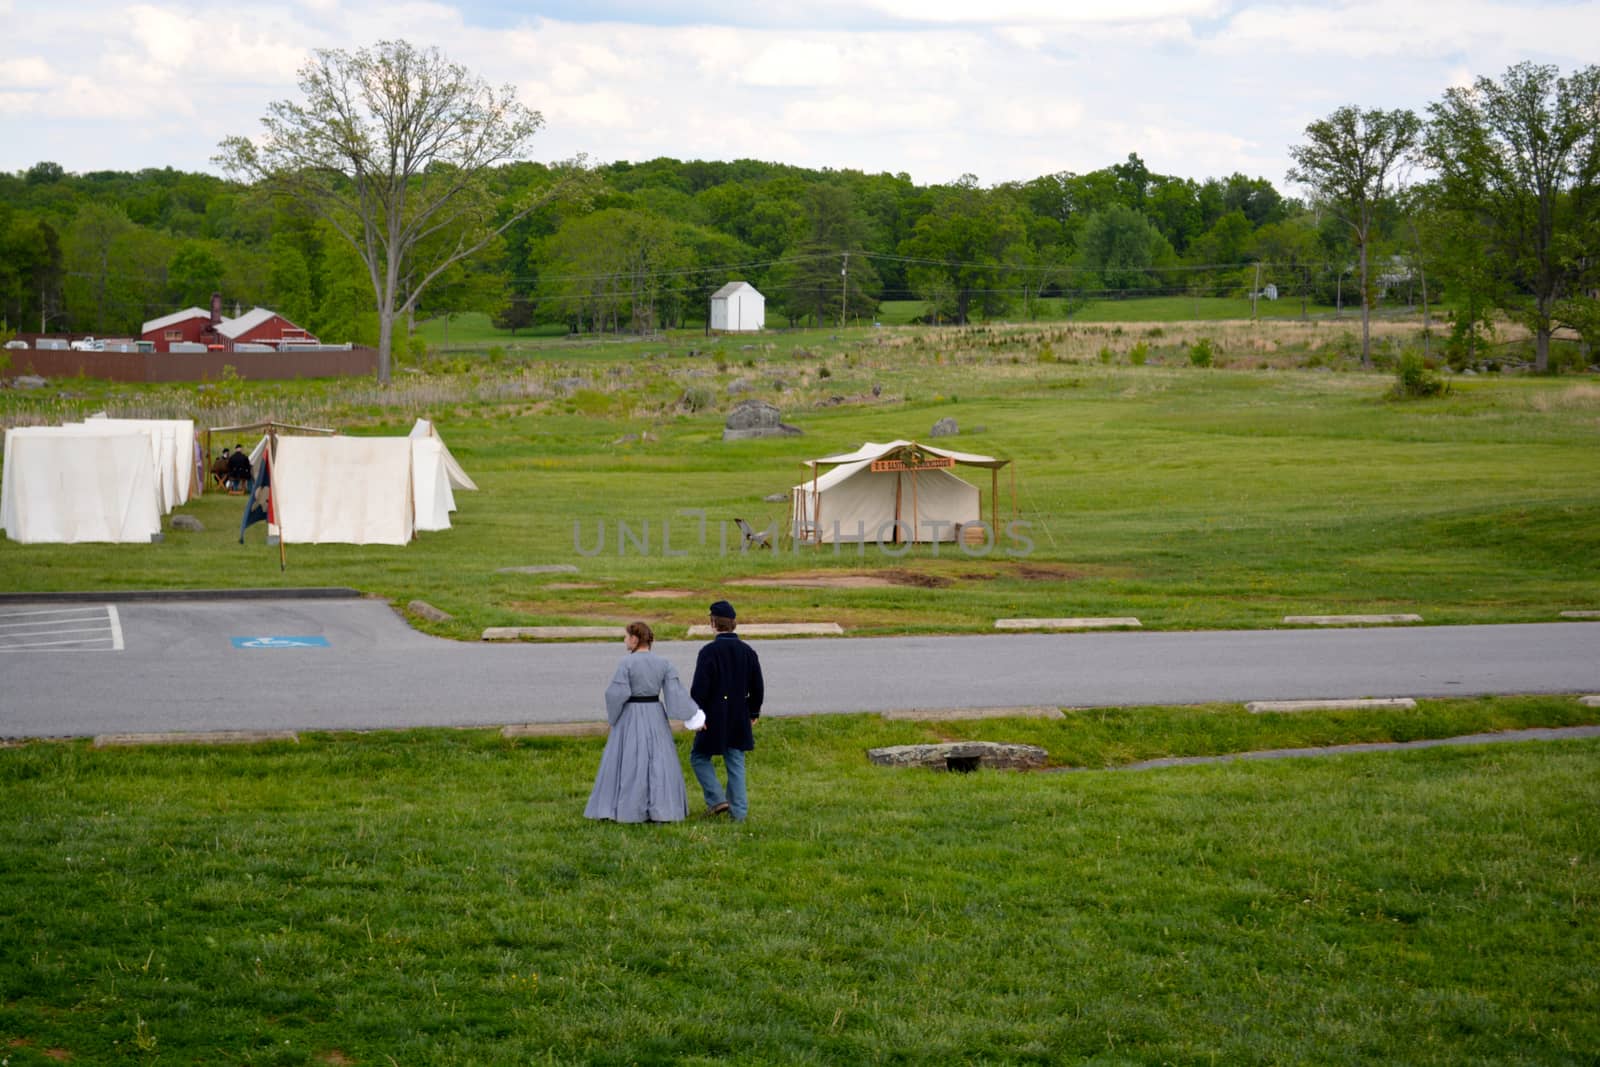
{"x":752,"y":538}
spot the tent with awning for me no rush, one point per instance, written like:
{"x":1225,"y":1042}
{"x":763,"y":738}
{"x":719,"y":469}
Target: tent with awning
{"x":435,"y":475}
{"x":899,"y":492}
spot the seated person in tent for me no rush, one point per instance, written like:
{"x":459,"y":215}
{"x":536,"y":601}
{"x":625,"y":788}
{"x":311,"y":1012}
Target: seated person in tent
{"x":239,"y":469}
{"x":219,"y":467}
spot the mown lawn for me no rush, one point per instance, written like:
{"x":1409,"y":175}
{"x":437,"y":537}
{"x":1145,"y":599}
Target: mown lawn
{"x":436,"y":897}
{"x":1186,"y":497}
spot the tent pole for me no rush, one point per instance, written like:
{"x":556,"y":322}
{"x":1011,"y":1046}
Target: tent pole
{"x":1013,"y":490}
{"x":994,"y":499}
{"x":913,"y":505}
{"x":816,"y":506}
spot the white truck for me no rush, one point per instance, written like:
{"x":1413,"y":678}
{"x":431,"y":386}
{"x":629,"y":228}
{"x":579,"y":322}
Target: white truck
{"x":88,"y":344}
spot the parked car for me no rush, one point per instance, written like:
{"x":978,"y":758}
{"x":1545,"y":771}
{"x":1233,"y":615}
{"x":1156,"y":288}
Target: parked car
{"x":16,"y":344}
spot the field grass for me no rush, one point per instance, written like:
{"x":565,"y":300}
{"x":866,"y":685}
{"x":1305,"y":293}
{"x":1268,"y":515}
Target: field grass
{"x":1281,"y":481}
{"x":436,"y":897}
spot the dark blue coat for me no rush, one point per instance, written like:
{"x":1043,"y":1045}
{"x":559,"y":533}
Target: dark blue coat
{"x":727,"y":686}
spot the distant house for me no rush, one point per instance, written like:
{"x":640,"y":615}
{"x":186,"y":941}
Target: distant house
{"x":738,"y":308}
{"x":196,"y":329}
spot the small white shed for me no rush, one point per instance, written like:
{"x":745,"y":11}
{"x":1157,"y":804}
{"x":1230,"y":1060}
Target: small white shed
{"x":738,"y":308}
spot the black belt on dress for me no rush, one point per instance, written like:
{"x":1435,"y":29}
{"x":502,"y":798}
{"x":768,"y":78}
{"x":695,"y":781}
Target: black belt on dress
{"x":644,"y":700}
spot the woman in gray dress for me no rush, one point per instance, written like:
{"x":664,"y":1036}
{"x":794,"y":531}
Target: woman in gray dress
{"x":640,"y":778}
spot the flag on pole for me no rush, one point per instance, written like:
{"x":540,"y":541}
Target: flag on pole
{"x":258,"y":503}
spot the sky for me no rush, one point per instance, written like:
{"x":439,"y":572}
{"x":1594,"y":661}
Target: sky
{"x":1004,"y":90}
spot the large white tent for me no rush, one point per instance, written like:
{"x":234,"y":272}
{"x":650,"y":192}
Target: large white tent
{"x":458,"y":477}
{"x":896,"y":492}
{"x":70,"y":484}
{"x":350,"y":490}
{"x":434,"y":475}
{"x":176,"y":461}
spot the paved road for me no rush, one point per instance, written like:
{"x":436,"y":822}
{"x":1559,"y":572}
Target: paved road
{"x":158,"y":666}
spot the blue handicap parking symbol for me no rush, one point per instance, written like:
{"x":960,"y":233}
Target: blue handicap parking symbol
{"x":280,"y":642}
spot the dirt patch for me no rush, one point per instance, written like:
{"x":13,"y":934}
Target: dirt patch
{"x":833,"y":580}
{"x":335,"y":1057}
{"x":572,"y":585}
{"x":658,"y":594}
{"x":60,"y":1055}
{"x":1043,"y":572}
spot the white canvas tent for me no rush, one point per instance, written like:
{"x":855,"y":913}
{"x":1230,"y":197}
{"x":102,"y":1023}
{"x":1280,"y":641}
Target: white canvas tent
{"x":894,"y":493}
{"x":431,"y":497}
{"x":349,"y":490}
{"x":458,"y":477}
{"x":174,"y":455}
{"x":71,"y":484}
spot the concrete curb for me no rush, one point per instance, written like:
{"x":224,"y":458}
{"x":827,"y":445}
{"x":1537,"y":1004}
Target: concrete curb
{"x":131,"y":595}
{"x":1559,"y":733}
{"x":213,"y":737}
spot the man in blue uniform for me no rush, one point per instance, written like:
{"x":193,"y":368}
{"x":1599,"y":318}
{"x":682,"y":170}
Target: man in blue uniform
{"x":727,"y":686}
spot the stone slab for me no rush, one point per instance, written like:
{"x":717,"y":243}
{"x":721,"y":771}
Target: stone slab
{"x":1590,"y":701}
{"x":1067,"y":624}
{"x":1349,"y":620}
{"x":1580,"y":614}
{"x":518,"y":633}
{"x":216,"y":737}
{"x":959,"y":755}
{"x":425,"y":610}
{"x":956,"y":714}
{"x":775,"y":629}
{"x":555,"y":729}
{"x":1401,"y":703}
{"x":543,"y":568}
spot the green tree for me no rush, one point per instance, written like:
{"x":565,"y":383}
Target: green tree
{"x":1119,"y":249}
{"x":970,"y":246}
{"x":193,"y":275}
{"x":391,"y":147}
{"x":1520,"y":158}
{"x":825,"y":274}
{"x":1348,"y":162}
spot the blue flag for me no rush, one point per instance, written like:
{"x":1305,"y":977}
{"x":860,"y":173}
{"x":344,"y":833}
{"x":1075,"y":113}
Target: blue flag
{"x":258,"y":504}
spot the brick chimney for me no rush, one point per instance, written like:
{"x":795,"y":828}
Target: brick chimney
{"x":216,"y":310}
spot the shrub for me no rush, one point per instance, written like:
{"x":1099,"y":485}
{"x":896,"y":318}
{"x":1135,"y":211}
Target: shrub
{"x":824,"y":372}
{"x":1413,"y":379}
{"x":1138,"y":354}
{"x":1047,"y":354}
{"x":497,"y":354}
{"x":695,"y":398}
{"x":1200,"y":353}
{"x":1106,"y":355}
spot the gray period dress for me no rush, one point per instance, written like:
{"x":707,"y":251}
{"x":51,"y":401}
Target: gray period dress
{"x":640,"y":778}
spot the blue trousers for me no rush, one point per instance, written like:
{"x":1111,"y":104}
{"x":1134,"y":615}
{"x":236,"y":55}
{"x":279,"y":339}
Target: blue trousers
{"x":706,"y":774}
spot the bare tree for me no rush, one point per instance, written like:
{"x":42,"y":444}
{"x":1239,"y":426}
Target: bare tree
{"x":391,"y":146}
{"x":1346,"y":162}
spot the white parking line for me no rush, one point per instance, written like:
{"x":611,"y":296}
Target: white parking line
{"x":47,"y":629}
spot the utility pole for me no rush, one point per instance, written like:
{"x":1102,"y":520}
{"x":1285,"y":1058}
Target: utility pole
{"x":844,"y":290}
{"x":1255,"y":291}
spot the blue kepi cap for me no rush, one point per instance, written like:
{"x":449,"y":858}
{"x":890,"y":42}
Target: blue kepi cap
{"x":723,"y":610}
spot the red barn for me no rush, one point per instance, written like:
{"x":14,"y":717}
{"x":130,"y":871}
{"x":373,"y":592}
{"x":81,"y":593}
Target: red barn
{"x":258,"y":326}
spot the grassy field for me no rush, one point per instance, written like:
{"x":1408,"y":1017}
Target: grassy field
{"x":437,"y":898}
{"x":1280,"y":481}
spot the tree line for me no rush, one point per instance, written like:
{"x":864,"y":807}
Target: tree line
{"x":1488,"y":204}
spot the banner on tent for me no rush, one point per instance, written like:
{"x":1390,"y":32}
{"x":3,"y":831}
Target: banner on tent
{"x":924,"y":463}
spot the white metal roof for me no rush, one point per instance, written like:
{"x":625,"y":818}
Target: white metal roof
{"x":731,"y":288}
{"x":173,"y":319}
{"x":244,"y":323}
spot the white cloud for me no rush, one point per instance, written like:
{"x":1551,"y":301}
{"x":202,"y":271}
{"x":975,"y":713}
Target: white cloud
{"x":1009,"y":89}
